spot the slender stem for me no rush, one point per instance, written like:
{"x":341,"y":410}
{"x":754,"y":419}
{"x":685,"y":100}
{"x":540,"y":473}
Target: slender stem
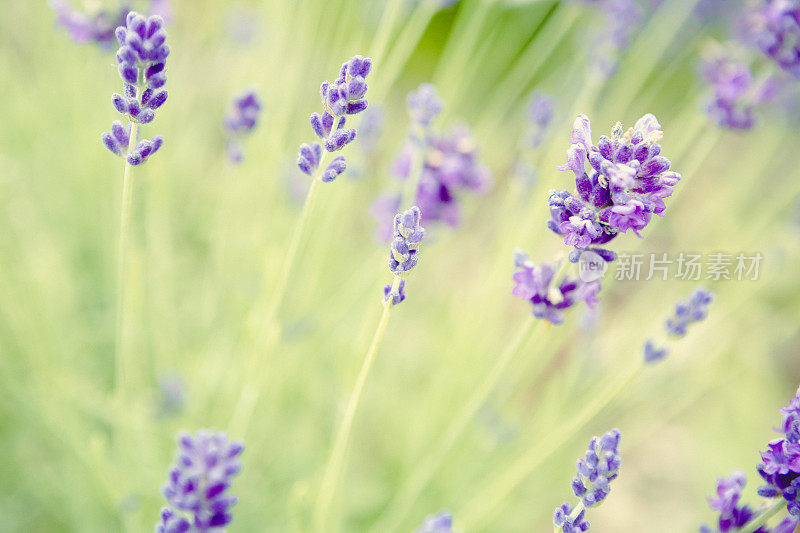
{"x":335,"y":464}
{"x":122,"y":369}
{"x":426,"y":468}
{"x":535,"y":456}
{"x":294,"y":245}
{"x":764,"y":516}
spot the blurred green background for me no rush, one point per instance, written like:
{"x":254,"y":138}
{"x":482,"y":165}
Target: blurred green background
{"x":208,"y":240}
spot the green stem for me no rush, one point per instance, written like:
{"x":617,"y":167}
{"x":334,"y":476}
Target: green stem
{"x":495,"y":492}
{"x":335,"y":464}
{"x":426,"y":468}
{"x":122,"y":364}
{"x":764,"y":516}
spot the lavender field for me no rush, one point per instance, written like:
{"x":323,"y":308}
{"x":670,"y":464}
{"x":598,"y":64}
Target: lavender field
{"x":395,"y":266}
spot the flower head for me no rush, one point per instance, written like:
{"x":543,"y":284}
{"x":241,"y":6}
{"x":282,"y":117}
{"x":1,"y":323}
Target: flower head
{"x":407,"y":236}
{"x":773,"y":27}
{"x":424,"y":104}
{"x":597,"y":469}
{"x":240,"y":121}
{"x":625,"y":184}
{"x":196,"y":489}
{"x":340,"y":98}
{"x":141,"y":62}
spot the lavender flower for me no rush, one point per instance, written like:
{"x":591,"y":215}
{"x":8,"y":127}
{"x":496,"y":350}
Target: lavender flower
{"x":424,"y":105}
{"x":550,"y":298}
{"x":627,"y":182}
{"x":773,"y":26}
{"x":437,"y":523}
{"x":239,"y":122}
{"x":407,"y":236}
{"x":198,"y":482}
{"x":450,"y":166}
{"x":98,"y":25}
{"x":345,"y":96}
{"x":403,"y":253}
{"x":653,"y":353}
{"x":779,"y":468}
{"x":540,"y":115}
{"x":735,"y":94}
{"x":695,"y":309}
{"x":592,"y":484}
{"x":141,"y":62}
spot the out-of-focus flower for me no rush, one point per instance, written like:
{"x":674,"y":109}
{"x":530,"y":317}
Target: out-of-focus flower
{"x":735,"y":94}
{"x":98,"y":25}
{"x":687,"y":312}
{"x":438,"y":523}
{"x":239,"y":122}
{"x":773,"y":26}
{"x":196,"y":489}
{"x":549,"y":297}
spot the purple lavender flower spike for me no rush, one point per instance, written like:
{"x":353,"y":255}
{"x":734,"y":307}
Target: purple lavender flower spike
{"x":592,"y":484}
{"x":196,"y":489}
{"x":437,"y":523}
{"x":239,"y":122}
{"x":549,"y":298}
{"x":407,"y":236}
{"x":687,"y":312}
{"x":624,"y":185}
{"x":140,"y":59}
{"x":345,"y":96}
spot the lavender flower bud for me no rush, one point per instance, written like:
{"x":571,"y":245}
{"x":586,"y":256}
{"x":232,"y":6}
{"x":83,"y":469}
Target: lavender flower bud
{"x":688,"y":312}
{"x":424,"y":104}
{"x":599,"y":467}
{"x":198,"y":482}
{"x":407,"y":236}
{"x":394,"y":296}
{"x":652,"y":353}
{"x":309,"y":158}
{"x":339,"y":139}
{"x":563,"y":519}
{"x":336,"y":167}
{"x":239,"y":122}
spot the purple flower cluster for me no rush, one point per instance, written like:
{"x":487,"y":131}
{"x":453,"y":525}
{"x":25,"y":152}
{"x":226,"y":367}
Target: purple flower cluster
{"x":345,"y":96}
{"x":405,"y":245}
{"x":687,"y":312}
{"x":549,"y":297}
{"x":438,"y":523}
{"x":735,"y":94}
{"x":198,"y":482}
{"x":403,"y":252}
{"x":627,"y":182}
{"x":773,"y":26}
{"x":568,"y":520}
{"x":450,"y":166}
{"x":239,"y":122}
{"x":780,"y":466}
{"x":592,"y":484}
{"x":141,"y":61}
{"x":97,"y":27}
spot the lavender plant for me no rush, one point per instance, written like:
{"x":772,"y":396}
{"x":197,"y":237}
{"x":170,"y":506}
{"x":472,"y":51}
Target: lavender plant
{"x":780,"y":470}
{"x":239,"y":122}
{"x":403,"y":257}
{"x":435,"y":169}
{"x":773,"y":27}
{"x":592,"y":484}
{"x":97,"y":25}
{"x":197,"y":485}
